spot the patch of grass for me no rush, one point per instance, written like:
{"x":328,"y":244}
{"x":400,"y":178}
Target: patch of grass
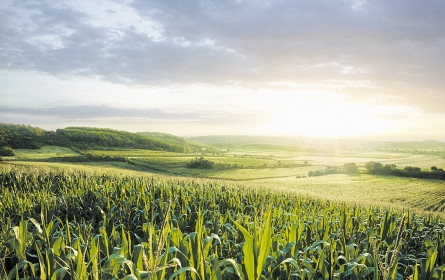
{"x":45,"y":152}
{"x":136,"y":153}
{"x":263,"y":173}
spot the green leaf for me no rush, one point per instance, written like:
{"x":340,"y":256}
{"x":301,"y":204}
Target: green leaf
{"x":137,"y":256}
{"x":232,"y":262}
{"x":416,"y":273}
{"x":42,"y":264}
{"x":393,"y":270}
{"x":265,"y":243}
{"x":23,"y":264}
{"x":37,"y":225}
{"x":182,"y":270}
{"x":130,"y":277}
{"x":288,"y":260}
{"x":248,"y":250}
{"x":59,"y":273}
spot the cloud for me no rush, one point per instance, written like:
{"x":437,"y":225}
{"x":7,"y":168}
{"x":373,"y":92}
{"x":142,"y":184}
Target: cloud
{"x":395,"y":46}
{"x":103,"y":112}
{"x":95,"y":111}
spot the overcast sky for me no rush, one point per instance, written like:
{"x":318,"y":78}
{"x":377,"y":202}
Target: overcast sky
{"x":198,"y":67}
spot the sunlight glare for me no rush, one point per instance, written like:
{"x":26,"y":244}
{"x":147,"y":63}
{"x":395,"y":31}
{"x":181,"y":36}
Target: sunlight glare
{"x":317,"y":118}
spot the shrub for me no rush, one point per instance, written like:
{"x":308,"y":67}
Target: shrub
{"x":200,"y":163}
{"x":7,"y":152}
{"x":351,"y":168}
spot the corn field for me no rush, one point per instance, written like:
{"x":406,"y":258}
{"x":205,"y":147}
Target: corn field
{"x":57,"y":225}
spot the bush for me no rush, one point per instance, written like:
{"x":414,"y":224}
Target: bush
{"x":348,"y":168}
{"x":7,"y":152}
{"x":327,"y":171}
{"x":409,"y":171}
{"x":200,"y":163}
{"x":351,"y":168}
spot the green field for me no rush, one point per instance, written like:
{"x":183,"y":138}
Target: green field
{"x":44,"y":153}
{"x":272,"y":168}
{"x":81,"y":225}
{"x":392,"y":192}
{"x":94,"y":220}
{"x":136,"y":153}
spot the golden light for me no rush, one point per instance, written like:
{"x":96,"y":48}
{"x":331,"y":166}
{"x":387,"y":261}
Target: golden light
{"x":326,"y":118}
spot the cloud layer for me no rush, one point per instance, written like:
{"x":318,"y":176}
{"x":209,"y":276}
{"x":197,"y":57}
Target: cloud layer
{"x":371,"y":52}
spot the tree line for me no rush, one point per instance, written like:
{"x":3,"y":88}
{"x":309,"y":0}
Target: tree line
{"x":90,"y":158}
{"x":378,"y":168}
{"x":347,"y":168}
{"x":201,"y":163}
{"x":28,"y":137}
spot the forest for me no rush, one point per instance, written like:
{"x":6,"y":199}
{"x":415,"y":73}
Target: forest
{"x":28,"y":137}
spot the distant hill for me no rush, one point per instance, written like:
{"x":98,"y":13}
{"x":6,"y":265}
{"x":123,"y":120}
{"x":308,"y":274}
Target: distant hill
{"x":246,"y":139}
{"x":424,"y":147}
{"x":25,"y":136}
{"x":189,"y":145}
{"x":255,"y":142}
{"x":410,"y":145}
{"x":21,"y":136}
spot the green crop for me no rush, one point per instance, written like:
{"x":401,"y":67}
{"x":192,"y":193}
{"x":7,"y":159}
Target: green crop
{"x":82,"y":226}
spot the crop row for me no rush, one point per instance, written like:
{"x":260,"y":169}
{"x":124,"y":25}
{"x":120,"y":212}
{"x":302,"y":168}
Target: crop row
{"x":80,"y":226}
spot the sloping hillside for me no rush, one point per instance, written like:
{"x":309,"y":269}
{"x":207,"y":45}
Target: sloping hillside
{"x":24,"y":136}
{"x":189,"y":145}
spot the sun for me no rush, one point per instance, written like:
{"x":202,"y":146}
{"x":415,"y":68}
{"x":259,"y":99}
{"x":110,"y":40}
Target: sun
{"x":326,"y":120}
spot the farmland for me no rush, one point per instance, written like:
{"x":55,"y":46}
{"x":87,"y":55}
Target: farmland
{"x":270,"y":166}
{"x":125,"y":213}
{"x":222,"y":140}
{"x":62,"y":225}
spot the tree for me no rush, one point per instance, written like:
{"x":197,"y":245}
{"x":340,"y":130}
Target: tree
{"x":374,"y":167}
{"x":351,"y":168}
{"x":7,"y":152}
{"x":200,"y":163}
{"x":413,"y":170}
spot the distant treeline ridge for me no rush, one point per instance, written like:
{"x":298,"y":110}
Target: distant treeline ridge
{"x":28,"y":137}
{"x":378,"y":168}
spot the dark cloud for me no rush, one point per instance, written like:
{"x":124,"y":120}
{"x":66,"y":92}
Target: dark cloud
{"x":396,"y":45}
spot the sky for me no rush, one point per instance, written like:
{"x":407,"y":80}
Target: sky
{"x":316,"y":68}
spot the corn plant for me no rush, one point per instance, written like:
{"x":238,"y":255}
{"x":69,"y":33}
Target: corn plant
{"x":61,"y":225}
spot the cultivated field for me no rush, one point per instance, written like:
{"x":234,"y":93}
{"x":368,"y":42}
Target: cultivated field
{"x":71,"y":225}
{"x":273,"y":167}
{"x":140,"y":214}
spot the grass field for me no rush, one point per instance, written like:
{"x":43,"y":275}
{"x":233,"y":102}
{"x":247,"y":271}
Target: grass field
{"x":136,"y":153}
{"x":264,"y":173}
{"x":44,"y":152}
